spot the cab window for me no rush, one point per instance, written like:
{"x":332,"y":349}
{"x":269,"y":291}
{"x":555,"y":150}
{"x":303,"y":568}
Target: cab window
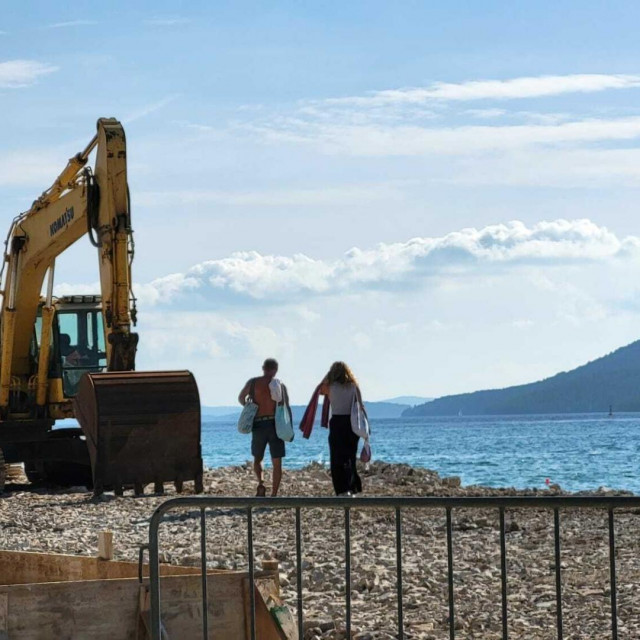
{"x":81,"y":346}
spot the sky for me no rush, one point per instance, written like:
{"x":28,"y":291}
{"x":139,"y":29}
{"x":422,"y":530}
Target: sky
{"x":443,"y":195}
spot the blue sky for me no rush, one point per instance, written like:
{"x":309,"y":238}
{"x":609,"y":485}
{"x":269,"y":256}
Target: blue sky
{"x":442,"y":194}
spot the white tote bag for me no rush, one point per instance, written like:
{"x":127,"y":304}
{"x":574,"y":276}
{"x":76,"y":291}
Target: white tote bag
{"x":360,"y":426}
{"x":245,"y":420}
{"x":284,"y":424}
{"x":359,"y":421}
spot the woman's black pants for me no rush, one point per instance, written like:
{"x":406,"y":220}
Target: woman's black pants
{"x":343,"y":447}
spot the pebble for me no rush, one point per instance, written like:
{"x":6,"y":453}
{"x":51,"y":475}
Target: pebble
{"x":68,"y":521}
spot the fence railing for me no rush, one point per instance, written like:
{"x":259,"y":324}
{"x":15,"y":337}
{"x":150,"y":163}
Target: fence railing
{"x":200,"y":504}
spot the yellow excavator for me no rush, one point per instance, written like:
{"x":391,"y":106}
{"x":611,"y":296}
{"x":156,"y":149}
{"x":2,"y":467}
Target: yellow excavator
{"x":74,"y":356}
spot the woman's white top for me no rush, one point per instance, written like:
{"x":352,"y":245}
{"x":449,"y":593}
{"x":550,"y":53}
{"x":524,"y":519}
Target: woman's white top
{"x":341,"y":398}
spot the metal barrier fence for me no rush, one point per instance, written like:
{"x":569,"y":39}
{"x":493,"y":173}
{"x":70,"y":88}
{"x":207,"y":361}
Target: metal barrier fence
{"x":555,"y":503}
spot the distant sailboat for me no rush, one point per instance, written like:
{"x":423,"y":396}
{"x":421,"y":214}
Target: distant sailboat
{"x":611,"y":411}
{"x":460,"y":412}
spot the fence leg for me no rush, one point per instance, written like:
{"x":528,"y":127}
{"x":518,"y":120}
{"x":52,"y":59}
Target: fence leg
{"x":347,"y":555}
{"x":452,"y":613}
{"x":299,"y":571}
{"x":252,"y":586}
{"x":399,"y":572}
{"x":154,"y":578}
{"x":612,"y":571}
{"x":503,"y":574}
{"x":203,"y":569}
{"x":556,"y":532}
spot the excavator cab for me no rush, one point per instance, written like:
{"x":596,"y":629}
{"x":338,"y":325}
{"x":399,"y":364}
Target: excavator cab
{"x":80,"y":336}
{"x":77,"y":342}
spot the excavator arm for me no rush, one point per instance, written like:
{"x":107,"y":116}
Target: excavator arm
{"x":115,"y":245}
{"x":79,"y":202}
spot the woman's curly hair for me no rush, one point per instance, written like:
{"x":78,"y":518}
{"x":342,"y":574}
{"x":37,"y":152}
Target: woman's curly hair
{"x":341,"y":374}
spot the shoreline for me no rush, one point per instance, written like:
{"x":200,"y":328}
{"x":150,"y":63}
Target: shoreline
{"x":69,"y":522}
{"x":449,"y":481}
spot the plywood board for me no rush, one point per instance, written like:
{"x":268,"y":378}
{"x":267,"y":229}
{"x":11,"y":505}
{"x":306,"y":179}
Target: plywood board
{"x":109,"y":609}
{"x":45,"y":596}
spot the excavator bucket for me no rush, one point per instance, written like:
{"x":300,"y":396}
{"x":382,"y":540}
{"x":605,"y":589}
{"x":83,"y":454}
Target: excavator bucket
{"x":141,"y":428}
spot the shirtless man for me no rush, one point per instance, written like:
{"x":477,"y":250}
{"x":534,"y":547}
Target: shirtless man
{"x":267,"y":393}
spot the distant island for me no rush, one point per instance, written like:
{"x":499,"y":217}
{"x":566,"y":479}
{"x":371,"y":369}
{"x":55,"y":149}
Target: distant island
{"x":411,"y":401}
{"x":391,"y":408}
{"x":610,"y":381}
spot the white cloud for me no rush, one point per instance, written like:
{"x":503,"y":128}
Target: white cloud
{"x":407,"y":140}
{"x":514,"y":88}
{"x":192,"y":334}
{"x":166,"y":288}
{"x":70,"y":23}
{"x":486,"y":113}
{"x":77,"y":288}
{"x":421,"y":123}
{"x":15,"y":74}
{"x":202,"y":335}
{"x":251,"y":276}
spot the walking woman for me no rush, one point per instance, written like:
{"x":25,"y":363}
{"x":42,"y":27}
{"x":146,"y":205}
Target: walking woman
{"x":341,"y":387}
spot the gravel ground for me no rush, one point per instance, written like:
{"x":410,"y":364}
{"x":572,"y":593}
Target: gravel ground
{"x":68,"y":522}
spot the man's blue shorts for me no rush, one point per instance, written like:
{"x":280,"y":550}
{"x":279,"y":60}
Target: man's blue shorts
{"x":263,"y":433}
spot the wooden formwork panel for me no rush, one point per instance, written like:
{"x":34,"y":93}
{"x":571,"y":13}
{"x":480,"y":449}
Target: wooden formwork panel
{"x":70,"y":607}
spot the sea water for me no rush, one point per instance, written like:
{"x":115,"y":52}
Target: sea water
{"x":578,"y":452}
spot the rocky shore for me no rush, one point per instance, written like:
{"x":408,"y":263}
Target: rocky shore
{"x":68,"y":521}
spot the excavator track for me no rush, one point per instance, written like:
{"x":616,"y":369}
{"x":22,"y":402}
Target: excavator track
{"x":65,"y":472}
{"x":141,"y":428}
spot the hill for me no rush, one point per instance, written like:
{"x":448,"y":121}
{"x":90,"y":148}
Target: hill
{"x":214,"y":413}
{"x":412,"y":401}
{"x":613,"y":380}
{"x":374,"y":409}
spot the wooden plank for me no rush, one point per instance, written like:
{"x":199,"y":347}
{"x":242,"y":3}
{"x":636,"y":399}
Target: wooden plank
{"x":266,"y":627}
{"x":285,"y":621}
{"x":25,"y":567}
{"x":109,"y":609}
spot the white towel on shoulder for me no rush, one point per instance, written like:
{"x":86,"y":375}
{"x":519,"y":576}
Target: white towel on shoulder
{"x":275,"y":389}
